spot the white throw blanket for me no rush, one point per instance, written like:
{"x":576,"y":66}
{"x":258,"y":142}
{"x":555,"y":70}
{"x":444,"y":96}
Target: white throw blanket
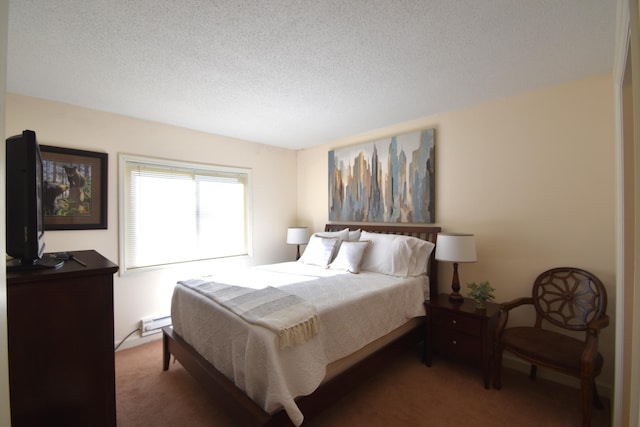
{"x":291,"y":317}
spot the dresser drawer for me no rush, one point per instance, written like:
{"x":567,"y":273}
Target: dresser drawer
{"x":456,"y":322}
{"x":457,"y":344}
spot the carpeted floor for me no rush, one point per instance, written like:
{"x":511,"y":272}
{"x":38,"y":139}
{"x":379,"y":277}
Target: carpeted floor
{"x":405,"y":393}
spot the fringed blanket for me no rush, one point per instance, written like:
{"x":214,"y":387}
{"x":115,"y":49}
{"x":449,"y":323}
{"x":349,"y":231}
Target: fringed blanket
{"x":291,"y":317}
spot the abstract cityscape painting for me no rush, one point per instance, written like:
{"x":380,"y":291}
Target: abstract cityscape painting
{"x":388,"y":180}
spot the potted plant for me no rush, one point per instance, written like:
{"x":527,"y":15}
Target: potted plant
{"x":481,"y":293}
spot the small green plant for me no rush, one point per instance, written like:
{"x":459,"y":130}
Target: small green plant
{"x":481,"y":293}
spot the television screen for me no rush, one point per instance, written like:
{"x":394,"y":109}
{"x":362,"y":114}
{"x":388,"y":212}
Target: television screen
{"x":24,"y":214}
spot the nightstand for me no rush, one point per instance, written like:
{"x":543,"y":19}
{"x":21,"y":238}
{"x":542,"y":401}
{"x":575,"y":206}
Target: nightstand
{"x":461,"y":331}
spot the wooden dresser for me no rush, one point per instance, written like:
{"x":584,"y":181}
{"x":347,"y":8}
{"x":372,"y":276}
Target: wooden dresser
{"x":60,"y":342}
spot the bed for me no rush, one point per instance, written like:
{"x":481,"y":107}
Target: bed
{"x":325,"y":373}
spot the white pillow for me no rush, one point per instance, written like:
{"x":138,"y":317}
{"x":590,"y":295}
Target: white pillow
{"x":351,"y":236}
{"x":395,"y":255}
{"x":419,"y":262}
{"x":319,"y":251}
{"x":349,"y":256}
{"x":354,"y":236}
{"x":340,"y":235}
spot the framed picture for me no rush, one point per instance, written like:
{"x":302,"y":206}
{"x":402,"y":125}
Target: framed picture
{"x":388,"y":180}
{"x":74,"y":193}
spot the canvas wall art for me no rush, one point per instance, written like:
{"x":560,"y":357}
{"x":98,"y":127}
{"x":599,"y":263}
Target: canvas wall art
{"x":388,"y":180}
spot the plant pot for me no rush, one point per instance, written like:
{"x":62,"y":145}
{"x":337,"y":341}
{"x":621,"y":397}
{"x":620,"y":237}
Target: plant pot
{"x":480,"y":303}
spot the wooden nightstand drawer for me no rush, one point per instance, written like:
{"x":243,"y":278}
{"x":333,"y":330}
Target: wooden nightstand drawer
{"x":456,"y":322}
{"x":457,"y":344}
{"x":459,"y":330}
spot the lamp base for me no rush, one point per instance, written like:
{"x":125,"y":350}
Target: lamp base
{"x":455,"y":297}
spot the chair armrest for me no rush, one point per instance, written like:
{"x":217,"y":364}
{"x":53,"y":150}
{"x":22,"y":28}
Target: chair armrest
{"x":506,"y":306}
{"x":591,"y":345}
{"x":597,"y":324}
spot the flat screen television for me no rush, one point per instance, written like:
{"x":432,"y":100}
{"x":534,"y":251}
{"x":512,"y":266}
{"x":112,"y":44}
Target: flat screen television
{"x":24,"y":213}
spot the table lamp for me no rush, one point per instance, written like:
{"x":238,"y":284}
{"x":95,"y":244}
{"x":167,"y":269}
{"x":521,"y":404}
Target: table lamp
{"x":297,"y":236}
{"x":456,"y":247}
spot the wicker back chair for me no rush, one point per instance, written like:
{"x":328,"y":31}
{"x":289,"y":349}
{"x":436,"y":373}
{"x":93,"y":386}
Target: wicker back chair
{"x":571,"y":299}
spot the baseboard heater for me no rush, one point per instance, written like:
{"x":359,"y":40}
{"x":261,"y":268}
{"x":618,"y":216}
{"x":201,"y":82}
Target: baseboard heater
{"x":153,"y":325}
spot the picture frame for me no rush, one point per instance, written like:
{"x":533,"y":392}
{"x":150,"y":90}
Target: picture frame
{"x":388,"y":180}
{"x":74,"y":193}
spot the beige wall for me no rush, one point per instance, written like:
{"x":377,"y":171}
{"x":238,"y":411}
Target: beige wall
{"x":533,"y":176}
{"x":139,"y":295}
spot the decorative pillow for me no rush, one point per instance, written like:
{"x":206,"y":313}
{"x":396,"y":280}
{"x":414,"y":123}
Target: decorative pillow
{"x":349,"y":256}
{"x":396,"y":255}
{"x":354,"y":236}
{"x":319,"y":251}
{"x":341,"y":236}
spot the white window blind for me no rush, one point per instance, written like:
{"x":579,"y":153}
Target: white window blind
{"x":174,"y":212}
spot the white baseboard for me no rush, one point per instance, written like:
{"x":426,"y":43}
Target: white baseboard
{"x":510,"y":361}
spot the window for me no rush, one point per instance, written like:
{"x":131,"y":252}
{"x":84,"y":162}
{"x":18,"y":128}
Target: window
{"x":172,"y":212}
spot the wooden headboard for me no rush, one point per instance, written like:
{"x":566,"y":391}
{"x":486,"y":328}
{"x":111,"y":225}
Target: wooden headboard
{"x":424,"y":232}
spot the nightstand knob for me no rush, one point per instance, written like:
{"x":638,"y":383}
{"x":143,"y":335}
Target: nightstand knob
{"x":454,"y":342}
{"x":454,"y":322}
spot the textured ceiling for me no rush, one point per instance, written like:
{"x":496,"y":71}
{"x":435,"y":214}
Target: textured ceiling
{"x":299,"y":73}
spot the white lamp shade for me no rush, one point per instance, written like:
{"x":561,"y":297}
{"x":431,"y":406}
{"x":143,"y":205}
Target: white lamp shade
{"x":297,"y":235}
{"x":456,"y":247}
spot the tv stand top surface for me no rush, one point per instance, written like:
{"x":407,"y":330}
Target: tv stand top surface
{"x":47,"y":261}
{"x":93,"y":262}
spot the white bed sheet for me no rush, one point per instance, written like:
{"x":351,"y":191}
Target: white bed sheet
{"x":354,"y":310}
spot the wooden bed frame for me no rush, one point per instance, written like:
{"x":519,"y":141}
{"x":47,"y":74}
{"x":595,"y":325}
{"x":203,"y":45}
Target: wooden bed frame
{"x":245,"y":410}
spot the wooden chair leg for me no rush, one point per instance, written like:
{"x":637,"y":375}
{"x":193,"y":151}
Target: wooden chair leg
{"x":533,"y":372}
{"x":586,"y":391}
{"x":597,"y":402}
